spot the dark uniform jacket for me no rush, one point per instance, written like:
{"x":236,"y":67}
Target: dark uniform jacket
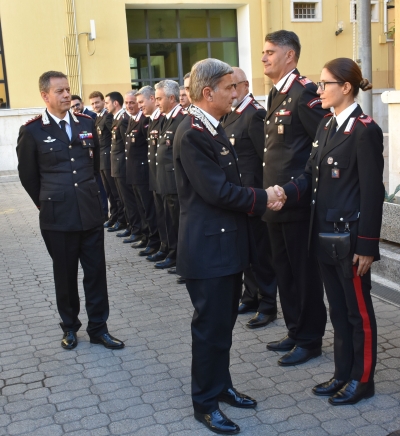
{"x":103,"y":123}
{"x":152,"y":141}
{"x":164,"y":159}
{"x":137,"y":165}
{"x":214,"y":238}
{"x":244,"y":128}
{"x":118,"y":131}
{"x":290,"y":127}
{"x":344,"y":175}
{"x":89,"y":113}
{"x":59,"y":174}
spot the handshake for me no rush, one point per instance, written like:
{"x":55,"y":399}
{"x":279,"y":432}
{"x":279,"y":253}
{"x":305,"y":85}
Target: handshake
{"x":276,"y":197}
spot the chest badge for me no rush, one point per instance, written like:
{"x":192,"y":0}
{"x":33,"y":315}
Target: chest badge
{"x":281,"y":129}
{"x":49,"y":139}
{"x":315,"y":144}
{"x":330,"y":160}
{"x":224,"y":151}
{"x":232,"y":141}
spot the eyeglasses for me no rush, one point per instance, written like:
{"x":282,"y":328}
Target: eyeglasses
{"x":75,"y":106}
{"x":323,"y":84}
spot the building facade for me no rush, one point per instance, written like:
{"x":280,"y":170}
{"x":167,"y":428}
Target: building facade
{"x":138,"y":43}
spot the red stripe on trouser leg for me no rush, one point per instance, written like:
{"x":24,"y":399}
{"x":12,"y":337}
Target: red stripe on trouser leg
{"x":366,"y":326}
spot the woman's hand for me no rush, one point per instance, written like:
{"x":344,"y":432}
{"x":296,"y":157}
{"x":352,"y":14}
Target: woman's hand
{"x":364,"y":263}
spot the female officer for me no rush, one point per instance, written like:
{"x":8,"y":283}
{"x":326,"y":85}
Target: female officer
{"x":344,"y":173}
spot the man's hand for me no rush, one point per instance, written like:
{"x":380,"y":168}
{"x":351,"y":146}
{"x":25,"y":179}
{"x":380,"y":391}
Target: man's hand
{"x":364,"y":263}
{"x":276,"y":198}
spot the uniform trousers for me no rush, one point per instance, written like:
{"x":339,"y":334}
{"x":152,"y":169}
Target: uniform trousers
{"x":354,"y":324}
{"x":260,"y":285}
{"x":299,"y":282}
{"x":103,"y":194}
{"x":145,"y":199}
{"x":171,"y":211}
{"x":116,"y":205}
{"x":66,"y":250}
{"x":162,"y":229}
{"x":131,"y":208}
{"x":215,"y":303}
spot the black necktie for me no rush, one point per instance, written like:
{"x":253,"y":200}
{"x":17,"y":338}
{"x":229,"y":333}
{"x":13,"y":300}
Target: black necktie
{"x":63,"y":124}
{"x":332,"y":129}
{"x":272,"y":95}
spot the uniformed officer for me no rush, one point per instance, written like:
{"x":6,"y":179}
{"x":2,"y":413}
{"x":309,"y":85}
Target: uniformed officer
{"x":103,"y":123}
{"x":147,"y":103}
{"x":58,"y":158}
{"x":183,"y":98}
{"x":167,"y":98}
{"x":294,"y":112}
{"x":244,"y":126}
{"x":137,"y":174}
{"x":214,"y":241}
{"x":344,"y":174}
{"x":114,"y":102}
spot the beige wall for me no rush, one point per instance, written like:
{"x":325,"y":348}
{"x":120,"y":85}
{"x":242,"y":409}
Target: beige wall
{"x":34,"y":32}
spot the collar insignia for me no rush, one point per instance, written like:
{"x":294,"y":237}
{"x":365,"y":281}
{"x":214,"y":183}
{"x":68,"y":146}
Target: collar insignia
{"x":197,"y":113}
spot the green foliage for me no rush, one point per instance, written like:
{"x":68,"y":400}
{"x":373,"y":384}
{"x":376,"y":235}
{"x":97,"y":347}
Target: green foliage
{"x":391,"y":198}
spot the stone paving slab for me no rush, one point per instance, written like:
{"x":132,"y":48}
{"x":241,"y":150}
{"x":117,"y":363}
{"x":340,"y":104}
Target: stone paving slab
{"x":144,"y":389}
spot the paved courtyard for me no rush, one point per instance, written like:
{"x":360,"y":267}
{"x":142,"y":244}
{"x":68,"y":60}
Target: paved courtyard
{"x":145,"y":388}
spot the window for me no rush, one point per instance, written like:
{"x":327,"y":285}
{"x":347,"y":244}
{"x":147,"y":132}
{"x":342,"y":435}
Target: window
{"x":164,"y":44}
{"x":374,"y":11}
{"x":306,"y":11}
{"x":4,"y":100}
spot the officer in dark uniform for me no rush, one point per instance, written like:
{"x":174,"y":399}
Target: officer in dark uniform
{"x":167,"y":98}
{"x":344,"y":174}
{"x":147,"y":103}
{"x":59,"y":155}
{"x":137,"y":174}
{"x":103,"y":123}
{"x":294,"y":112}
{"x":114,"y":102}
{"x":244,"y":126}
{"x":214,"y":240}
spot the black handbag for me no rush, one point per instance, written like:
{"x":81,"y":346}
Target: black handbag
{"x":337,"y":246}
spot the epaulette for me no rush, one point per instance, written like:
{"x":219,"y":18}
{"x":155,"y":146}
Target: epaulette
{"x":82,"y":115}
{"x":176,"y":111}
{"x":196,"y":124}
{"x":73,"y":115}
{"x":289,"y":83}
{"x":303,"y":80}
{"x":243,"y":105}
{"x":350,"y":126}
{"x":257,"y":105}
{"x":37,"y":117}
{"x":313,"y":102}
{"x":365,"y":119}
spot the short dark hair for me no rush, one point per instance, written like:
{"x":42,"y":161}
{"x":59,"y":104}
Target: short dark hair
{"x":285,"y":38}
{"x":76,"y":97}
{"x":44,"y":79}
{"x":116,"y":96}
{"x":95,"y":94}
{"x":186,"y":76}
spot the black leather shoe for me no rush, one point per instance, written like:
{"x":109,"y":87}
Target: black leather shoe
{"x":158,"y":257}
{"x":108,"y":341}
{"x":148,"y":251}
{"x":167,"y":263}
{"x":117,"y":227}
{"x":299,"y":355}
{"x":328,"y":388}
{"x":244,"y":308}
{"x":124,"y":234}
{"x":260,"y":320}
{"x":172,"y":270}
{"x":69,"y":341}
{"x":285,"y":344}
{"x":108,"y":224}
{"x":180,"y":280}
{"x":132,"y":238}
{"x":352,"y":392}
{"x":140,"y":244}
{"x":217,"y":422}
{"x":236,"y":399}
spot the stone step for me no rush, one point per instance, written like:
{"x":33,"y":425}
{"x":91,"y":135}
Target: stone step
{"x":388,"y":268}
